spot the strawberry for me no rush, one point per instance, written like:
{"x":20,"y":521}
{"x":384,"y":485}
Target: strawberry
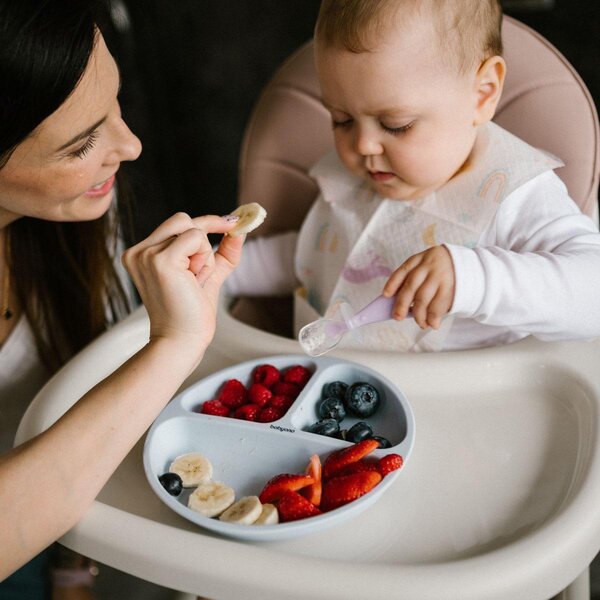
{"x":342,"y":458}
{"x":214,"y":407}
{"x":266,"y":375}
{"x":276,"y":486}
{"x":341,"y":490}
{"x":313,"y":492}
{"x":282,"y":402}
{"x":360,"y":466}
{"x":292,"y":506}
{"x":233,"y":393}
{"x":389,"y":463}
{"x":298,"y":375}
{"x":269,"y":413}
{"x":247,"y":412}
{"x":259,"y":394}
{"x":285,"y":388}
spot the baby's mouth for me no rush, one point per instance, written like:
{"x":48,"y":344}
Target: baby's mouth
{"x":381,"y":176}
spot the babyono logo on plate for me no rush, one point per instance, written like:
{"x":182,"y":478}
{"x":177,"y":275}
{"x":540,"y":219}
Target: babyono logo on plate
{"x":279,"y":428}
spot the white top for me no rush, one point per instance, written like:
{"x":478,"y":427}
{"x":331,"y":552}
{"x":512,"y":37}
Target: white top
{"x":534,"y":271}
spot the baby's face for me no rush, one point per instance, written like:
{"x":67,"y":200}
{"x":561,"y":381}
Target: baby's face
{"x":403,"y":120}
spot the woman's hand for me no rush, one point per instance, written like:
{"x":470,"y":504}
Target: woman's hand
{"x":424,"y":283}
{"x":179,"y":278}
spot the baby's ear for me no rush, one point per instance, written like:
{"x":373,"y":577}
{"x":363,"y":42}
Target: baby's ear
{"x":489,"y":82}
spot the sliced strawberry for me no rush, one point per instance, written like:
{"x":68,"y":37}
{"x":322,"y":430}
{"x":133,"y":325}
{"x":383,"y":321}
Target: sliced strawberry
{"x":360,"y":466}
{"x":285,"y":482}
{"x":259,"y":394}
{"x":298,"y":375}
{"x":341,"y":490}
{"x":313,"y":492}
{"x":266,"y":375}
{"x":233,"y":393}
{"x":214,"y":407}
{"x":342,"y":458}
{"x":247,"y":412}
{"x":389,"y":463}
{"x":269,"y":414}
{"x":292,"y":506}
{"x":285,"y":388}
{"x":282,"y":402}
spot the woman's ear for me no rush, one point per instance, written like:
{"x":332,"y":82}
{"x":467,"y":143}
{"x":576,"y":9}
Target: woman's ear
{"x":489,"y":82}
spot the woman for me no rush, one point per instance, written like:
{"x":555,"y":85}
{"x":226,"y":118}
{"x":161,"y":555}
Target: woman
{"x":62,"y":140}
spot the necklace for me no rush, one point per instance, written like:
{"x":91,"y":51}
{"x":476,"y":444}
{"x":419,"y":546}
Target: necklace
{"x":5,"y":311}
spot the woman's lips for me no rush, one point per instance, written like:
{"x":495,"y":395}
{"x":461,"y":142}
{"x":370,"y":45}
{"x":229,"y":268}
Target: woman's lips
{"x":101,"y":189}
{"x":381,"y":176}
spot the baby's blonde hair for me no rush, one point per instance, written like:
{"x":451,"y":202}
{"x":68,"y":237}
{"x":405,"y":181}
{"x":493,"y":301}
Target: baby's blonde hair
{"x":469,"y":30}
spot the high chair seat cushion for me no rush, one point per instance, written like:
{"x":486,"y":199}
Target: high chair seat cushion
{"x":544,"y":102}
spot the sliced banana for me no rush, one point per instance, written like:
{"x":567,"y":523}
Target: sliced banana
{"x":211,"y":498}
{"x":244,"y":512}
{"x":193,"y":468}
{"x":251,"y":216}
{"x":268,"y":516}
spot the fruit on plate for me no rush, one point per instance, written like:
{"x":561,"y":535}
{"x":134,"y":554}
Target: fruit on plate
{"x":327,"y":427}
{"x":332,"y":408}
{"x":292,"y":506}
{"x":298,"y":375}
{"x":313,"y":491}
{"x":211,"y":498}
{"x":172,"y":483}
{"x":216,"y":408}
{"x":383,"y":442}
{"x":266,"y":375}
{"x":193,"y":468}
{"x":362,"y":399}
{"x":339,"y":459}
{"x":278,"y":485}
{"x":389,"y":463}
{"x":250,"y":217}
{"x":358,"y":432}
{"x":232,"y":394}
{"x":346,"y":488}
{"x":268,"y":516}
{"x":243,"y":512}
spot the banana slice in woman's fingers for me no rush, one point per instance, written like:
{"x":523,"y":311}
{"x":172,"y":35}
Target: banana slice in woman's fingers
{"x":244,"y":512}
{"x":193,"y":468}
{"x":268,"y":516}
{"x":250,"y":217}
{"x":211,"y":498}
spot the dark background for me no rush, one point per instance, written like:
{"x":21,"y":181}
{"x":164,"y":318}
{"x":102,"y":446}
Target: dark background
{"x":193,"y":69}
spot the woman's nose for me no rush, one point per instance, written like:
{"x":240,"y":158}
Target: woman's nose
{"x":127,"y":145}
{"x":366,"y":141}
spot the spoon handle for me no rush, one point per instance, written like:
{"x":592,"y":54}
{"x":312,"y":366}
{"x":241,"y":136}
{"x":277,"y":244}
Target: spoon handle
{"x":378,"y":310}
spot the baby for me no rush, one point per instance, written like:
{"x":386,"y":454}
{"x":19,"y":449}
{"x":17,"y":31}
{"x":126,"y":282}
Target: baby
{"x":427,"y":200}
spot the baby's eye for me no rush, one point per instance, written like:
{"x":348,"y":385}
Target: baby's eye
{"x":87,"y":146}
{"x":397,"y":130}
{"x":344,"y":123}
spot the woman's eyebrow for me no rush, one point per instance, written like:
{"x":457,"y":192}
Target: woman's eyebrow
{"x":83,"y":135}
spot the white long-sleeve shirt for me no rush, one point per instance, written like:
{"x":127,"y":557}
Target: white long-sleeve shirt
{"x":535,"y":270}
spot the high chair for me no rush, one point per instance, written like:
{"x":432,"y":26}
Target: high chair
{"x":500,"y":499}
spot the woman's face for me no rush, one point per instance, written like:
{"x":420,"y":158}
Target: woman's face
{"x":64,"y":171}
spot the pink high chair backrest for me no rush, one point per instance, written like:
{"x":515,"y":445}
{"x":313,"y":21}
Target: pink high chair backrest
{"x":545,"y":103}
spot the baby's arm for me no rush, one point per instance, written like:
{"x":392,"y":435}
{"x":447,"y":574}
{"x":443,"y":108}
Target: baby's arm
{"x":426,"y":283}
{"x":266,"y":268}
{"x":537,"y":267}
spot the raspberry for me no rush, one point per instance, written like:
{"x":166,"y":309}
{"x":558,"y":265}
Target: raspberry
{"x":258,"y":394}
{"x":247,"y":412}
{"x":281,"y":402}
{"x":298,"y":375}
{"x":268,"y":414}
{"x":389,"y":463}
{"x":233,"y":393}
{"x":285,"y":388}
{"x":266,"y":375}
{"x":214,"y":407}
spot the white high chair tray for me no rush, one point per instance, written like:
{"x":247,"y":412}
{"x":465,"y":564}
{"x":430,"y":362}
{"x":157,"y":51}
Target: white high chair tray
{"x":499,"y":500}
{"x":245,"y":455}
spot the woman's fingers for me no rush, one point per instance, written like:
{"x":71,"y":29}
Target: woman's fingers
{"x":227,"y":257}
{"x":215,"y":224}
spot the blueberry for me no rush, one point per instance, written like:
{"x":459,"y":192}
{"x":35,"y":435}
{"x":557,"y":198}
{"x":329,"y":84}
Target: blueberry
{"x":172,"y":483}
{"x":324,"y":427}
{"x":332,"y":408}
{"x":341,"y":434}
{"x":334,"y":389}
{"x":362,"y":399}
{"x":358,"y":432}
{"x":383,"y":442}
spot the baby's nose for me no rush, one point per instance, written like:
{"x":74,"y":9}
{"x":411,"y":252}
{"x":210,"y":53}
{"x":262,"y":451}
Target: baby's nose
{"x":366,"y":142}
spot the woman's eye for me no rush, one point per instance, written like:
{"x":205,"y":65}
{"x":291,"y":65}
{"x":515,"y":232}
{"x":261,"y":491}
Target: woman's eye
{"x":87,"y":146}
{"x":345,"y":123}
{"x":397,"y":130}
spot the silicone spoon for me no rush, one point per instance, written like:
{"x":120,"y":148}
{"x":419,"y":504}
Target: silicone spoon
{"x":324,"y":335}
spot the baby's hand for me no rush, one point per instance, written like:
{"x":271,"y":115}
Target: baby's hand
{"x":425,"y":283}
